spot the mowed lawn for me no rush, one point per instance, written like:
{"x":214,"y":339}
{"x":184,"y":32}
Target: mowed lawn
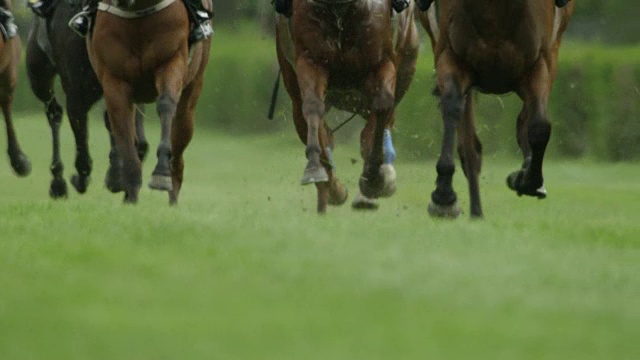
{"x":243,"y":268}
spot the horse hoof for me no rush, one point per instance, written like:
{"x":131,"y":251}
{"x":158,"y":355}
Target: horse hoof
{"x":161,"y":182}
{"x":21,"y":165}
{"x":444,"y":211}
{"x":58,"y":189}
{"x":388,"y":173}
{"x":112,"y":180}
{"x":80,"y":183}
{"x":314,"y":175}
{"x":361,"y":202}
{"x":517,"y":183}
{"x":338,"y":194}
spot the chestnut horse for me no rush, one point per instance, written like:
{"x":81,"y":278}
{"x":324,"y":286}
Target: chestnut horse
{"x":140,"y":52}
{"x":53,"y":49}
{"x":341,"y":53}
{"x":494,"y":47}
{"x":9,"y":61}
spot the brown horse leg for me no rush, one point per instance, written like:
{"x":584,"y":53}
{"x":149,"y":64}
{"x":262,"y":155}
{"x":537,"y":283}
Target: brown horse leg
{"x":534,"y":122}
{"x":113,"y":178}
{"x":78,"y":118}
{"x":181,"y":134}
{"x":453,"y":85}
{"x":141,"y":140}
{"x":361,"y":202}
{"x":335,"y":193}
{"x":19,"y":161}
{"x":169,"y":87}
{"x":312,"y":81}
{"x":382,"y":89}
{"x":117,"y":96}
{"x":470,"y":151}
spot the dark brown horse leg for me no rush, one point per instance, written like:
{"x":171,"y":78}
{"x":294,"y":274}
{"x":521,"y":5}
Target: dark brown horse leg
{"x":113,"y":178}
{"x":78,"y":118}
{"x":141,"y":140}
{"x":361,"y":202}
{"x":382,"y":88}
{"x":117,"y":96}
{"x":453,"y":86}
{"x":58,"y":187}
{"x":535,"y":119}
{"x":470,"y":151}
{"x":19,"y":161}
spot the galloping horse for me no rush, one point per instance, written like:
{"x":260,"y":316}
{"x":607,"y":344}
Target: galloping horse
{"x":53,"y":49}
{"x":495,"y":47}
{"x":140,"y":52}
{"x":341,"y":53}
{"x":9,"y":60}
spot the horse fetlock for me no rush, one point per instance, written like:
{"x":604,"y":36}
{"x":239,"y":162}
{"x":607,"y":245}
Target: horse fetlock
{"x":338,"y":193}
{"x":372,"y":185}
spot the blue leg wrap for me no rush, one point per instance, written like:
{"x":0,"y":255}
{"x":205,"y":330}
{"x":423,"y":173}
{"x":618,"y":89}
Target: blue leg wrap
{"x":389,"y":151}
{"x":330,"y":156}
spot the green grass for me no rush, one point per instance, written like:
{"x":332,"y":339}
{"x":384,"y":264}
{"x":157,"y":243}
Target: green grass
{"x":244,"y":268}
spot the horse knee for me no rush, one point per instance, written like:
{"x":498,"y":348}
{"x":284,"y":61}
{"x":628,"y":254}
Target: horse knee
{"x":384,"y":101}
{"x":166,"y":104}
{"x":312,"y":107}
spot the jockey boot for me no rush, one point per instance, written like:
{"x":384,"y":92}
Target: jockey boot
{"x":200,"y":19}
{"x":42,"y":8}
{"x":283,"y":7}
{"x":423,"y":5}
{"x":8,"y":27}
{"x":82,"y":22}
{"x":399,"y":5}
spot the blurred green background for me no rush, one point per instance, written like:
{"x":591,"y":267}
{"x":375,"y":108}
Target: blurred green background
{"x":594,"y":108}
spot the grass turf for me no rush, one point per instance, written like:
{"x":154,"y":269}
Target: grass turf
{"x":245,"y":269}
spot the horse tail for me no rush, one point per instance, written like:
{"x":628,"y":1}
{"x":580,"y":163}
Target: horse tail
{"x":274,"y":96}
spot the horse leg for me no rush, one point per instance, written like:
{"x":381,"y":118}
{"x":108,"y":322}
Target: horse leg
{"x":19,"y":161}
{"x":312,"y":82}
{"x":382,"y":88}
{"x":141,"y":140}
{"x":181,"y":134}
{"x":534,"y":131}
{"x":58,"y":188}
{"x":169,"y":86}
{"x":470,"y":151}
{"x":121,"y":122}
{"x":41,"y":74}
{"x":453,"y":84}
{"x":77,"y":114}
{"x":113,"y":178}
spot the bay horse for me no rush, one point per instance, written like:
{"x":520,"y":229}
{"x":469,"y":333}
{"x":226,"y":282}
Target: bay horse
{"x":53,"y":49}
{"x":494,"y":47}
{"x":9,"y":61}
{"x":344,"y":54}
{"x":140,"y":52}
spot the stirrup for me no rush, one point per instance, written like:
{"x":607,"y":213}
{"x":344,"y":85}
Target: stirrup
{"x":80,"y":23}
{"x":562,"y":3}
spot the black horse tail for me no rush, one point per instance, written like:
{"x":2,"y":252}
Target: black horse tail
{"x":274,"y":96}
